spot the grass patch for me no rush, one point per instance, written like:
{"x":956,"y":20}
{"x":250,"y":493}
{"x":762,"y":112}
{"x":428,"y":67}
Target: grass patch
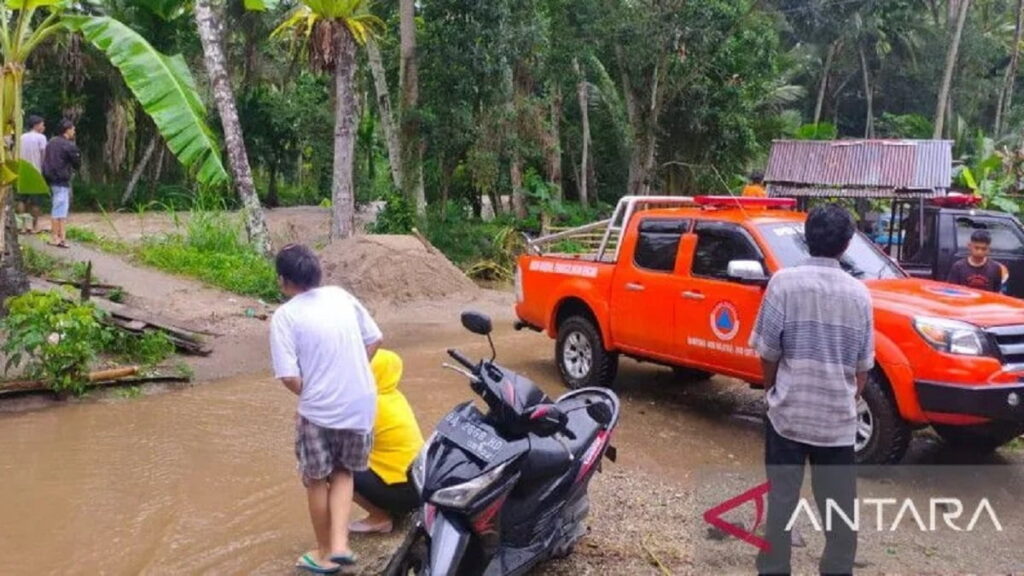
{"x":43,"y":265}
{"x":86,"y":236}
{"x":211,"y":249}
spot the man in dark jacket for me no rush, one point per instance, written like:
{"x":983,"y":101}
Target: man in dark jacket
{"x":60,"y":161}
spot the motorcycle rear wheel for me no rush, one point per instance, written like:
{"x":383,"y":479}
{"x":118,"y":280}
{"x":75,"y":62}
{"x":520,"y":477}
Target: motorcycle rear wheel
{"x":412,"y":557}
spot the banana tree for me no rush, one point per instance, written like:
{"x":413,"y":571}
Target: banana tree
{"x":162,"y":84}
{"x":330,"y":31}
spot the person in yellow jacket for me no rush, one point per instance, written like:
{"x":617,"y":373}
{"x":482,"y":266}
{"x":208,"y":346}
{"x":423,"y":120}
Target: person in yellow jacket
{"x":385,"y":490}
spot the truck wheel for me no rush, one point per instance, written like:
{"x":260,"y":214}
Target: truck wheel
{"x":882,"y":435}
{"x":582,"y":359}
{"x":980,"y":438}
{"x":687,"y":375}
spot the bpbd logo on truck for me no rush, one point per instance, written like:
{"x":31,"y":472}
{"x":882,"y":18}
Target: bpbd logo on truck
{"x":725,"y":322}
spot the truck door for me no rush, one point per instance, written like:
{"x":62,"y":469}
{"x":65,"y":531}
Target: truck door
{"x":645,"y":287}
{"x":715,"y":314}
{"x":1007,"y":244}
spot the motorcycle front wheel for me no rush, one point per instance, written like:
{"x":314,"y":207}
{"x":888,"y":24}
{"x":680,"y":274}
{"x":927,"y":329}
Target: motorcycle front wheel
{"x":412,"y":557}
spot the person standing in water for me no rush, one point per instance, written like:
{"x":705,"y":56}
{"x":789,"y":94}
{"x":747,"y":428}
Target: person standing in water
{"x":321,"y":343}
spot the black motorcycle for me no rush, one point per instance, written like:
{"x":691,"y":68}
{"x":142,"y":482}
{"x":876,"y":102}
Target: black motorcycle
{"x":506,"y":489}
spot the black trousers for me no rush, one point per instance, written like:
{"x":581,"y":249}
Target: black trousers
{"x":833,"y":477}
{"x":395,"y":499}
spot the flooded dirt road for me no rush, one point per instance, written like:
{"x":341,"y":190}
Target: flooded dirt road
{"x":201,"y":480}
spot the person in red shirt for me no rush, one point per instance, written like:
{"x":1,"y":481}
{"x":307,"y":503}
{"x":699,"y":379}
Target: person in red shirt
{"x":978,"y":270}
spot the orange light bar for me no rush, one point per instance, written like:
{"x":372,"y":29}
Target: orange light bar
{"x":744,"y":202}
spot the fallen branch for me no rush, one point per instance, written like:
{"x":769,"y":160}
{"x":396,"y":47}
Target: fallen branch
{"x":654,"y":558}
{"x":103,"y":384}
{"x":98,"y":376}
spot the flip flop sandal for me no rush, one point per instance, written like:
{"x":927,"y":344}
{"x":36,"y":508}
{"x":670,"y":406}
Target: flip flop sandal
{"x":63,"y":245}
{"x":307,"y":563}
{"x":344,"y":559}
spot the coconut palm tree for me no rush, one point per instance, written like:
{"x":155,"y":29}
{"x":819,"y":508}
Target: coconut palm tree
{"x":162,"y":84}
{"x":330,"y":31}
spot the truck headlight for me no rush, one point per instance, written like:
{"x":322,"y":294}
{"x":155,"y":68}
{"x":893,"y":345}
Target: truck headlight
{"x":952,"y":336}
{"x":460,"y":495}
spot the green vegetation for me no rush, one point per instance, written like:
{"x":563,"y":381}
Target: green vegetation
{"x":211,"y":249}
{"x":58,"y":340}
{"x":42,"y":265}
{"x":208,"y":247}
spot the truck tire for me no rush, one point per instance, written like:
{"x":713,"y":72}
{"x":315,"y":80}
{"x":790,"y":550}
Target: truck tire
{"x":983,"y":438}
{"x":581,"y":357}
{"x":882,"y":434}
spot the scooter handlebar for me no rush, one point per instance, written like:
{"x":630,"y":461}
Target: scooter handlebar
{"x":461,"y":359}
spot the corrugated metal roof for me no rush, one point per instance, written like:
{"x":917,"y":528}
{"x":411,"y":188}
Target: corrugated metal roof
{"x":782,"y":190}
{"x":879,"y":164}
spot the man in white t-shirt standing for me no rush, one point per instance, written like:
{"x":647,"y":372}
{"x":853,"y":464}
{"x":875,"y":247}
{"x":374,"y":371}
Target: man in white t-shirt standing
{"x":33,"y":146}
{"x":321,"y":343}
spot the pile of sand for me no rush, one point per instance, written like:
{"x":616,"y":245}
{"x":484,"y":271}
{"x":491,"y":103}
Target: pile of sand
{"x":386,"y":270}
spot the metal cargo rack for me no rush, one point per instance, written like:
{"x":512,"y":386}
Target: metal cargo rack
{"x":604,"y":237}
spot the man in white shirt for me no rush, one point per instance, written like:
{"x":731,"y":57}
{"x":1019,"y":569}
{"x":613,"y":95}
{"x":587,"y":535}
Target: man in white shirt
{"x":33,"y":146}
{"x":321,"y":343}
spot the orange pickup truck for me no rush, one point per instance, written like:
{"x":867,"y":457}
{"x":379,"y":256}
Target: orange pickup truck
{"x":678,"y":281}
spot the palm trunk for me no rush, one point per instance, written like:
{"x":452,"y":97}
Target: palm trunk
{"x":947,"y":76}
{"x":1010,"y":78}
{"x":412,"y":146}
{"x":140,"y":169}
{"x":582,"y":94}
{"x":869,"y":122}
{"x":342,"y":183}
{"x":826,"y":69}
{"x":211,"y":36}
{"x":13,"y":279}
{"x":554,"y":147}
{"x":387,"y":116}
{"x":158,"y":170}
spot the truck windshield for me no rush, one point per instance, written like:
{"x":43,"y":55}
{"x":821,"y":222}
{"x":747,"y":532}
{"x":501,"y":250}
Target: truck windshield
{"x":862,"y":260}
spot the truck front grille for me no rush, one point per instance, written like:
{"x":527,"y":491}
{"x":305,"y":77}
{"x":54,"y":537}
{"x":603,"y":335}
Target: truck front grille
{"x":1010,"y":342}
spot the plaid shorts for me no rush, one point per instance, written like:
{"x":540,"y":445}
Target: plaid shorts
{"x":321,"y":451}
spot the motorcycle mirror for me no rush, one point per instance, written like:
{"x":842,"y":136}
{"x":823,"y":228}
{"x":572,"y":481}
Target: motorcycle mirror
{"x":477,"y":323}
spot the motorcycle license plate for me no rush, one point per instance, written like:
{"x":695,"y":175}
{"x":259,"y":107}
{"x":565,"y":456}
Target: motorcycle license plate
{"x":470,"y":436}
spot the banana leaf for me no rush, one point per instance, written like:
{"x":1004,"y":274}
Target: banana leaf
{"x":30,"y":181}
{"x":261,"y":5}
{"x":165,"y":88}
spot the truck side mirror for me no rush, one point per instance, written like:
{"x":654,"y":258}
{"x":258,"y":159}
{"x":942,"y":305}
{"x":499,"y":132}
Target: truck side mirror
{"x":748,"y":272}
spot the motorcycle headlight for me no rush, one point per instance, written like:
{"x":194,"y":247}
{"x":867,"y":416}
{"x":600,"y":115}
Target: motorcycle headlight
{"x":952,"y":336}
{"x":418,"y":468}
{"x":460,"y":495}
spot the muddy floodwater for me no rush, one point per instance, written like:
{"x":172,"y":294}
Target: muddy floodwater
{"x":202,"y":480}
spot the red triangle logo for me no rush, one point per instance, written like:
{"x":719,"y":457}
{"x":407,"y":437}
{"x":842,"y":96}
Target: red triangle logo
{"x":714,"y":515}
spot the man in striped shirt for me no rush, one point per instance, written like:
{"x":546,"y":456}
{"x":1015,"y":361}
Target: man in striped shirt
{"x":815,"y":337}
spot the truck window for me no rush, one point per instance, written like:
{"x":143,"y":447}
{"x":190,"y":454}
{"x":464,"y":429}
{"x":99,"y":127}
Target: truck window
{"x":658,"y":244}
{"x":719,"y":243}
{"x":1005,"y":239}
{"x":862,"y":260}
